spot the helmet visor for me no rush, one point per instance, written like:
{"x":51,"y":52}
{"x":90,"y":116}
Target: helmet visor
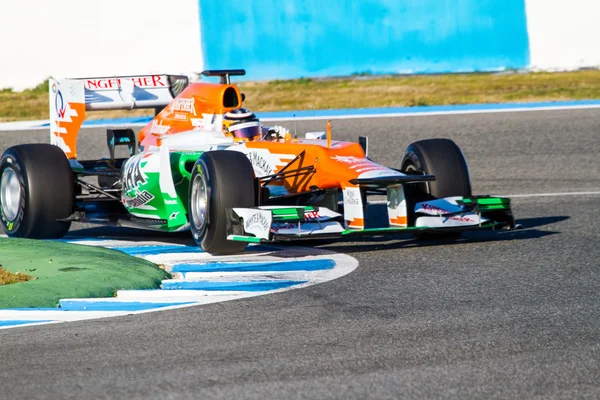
{"x":247,"y":130}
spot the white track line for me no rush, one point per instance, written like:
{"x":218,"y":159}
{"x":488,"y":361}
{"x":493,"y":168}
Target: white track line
{"x":553,"y":194}
{"x":432,"y":113}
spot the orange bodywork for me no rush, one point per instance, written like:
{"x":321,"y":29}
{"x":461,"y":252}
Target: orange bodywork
{"x":68,"y":129}
{"x":330,"y":171}
{"x":335,"y":163}
{"x":186,"y":111}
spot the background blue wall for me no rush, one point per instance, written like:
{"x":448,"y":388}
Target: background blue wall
{"x":276,"y":39}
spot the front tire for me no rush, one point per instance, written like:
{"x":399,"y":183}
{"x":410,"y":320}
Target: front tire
{"x":37,"y":190}
{"x":220,"y":180}
{"x":444,"y":159}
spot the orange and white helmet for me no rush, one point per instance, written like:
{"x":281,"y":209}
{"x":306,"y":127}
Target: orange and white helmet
{"x":242,"y":124}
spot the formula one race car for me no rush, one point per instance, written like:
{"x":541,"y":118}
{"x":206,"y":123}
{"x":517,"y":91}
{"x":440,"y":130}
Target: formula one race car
{"x":206,"y":164}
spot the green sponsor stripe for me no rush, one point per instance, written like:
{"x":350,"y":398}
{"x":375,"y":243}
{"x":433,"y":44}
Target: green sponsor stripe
{"x":493,"y":201}
{"x":487,"y":203}
{"x":290,"y":213}
{"x":239,"y":238}
{"x":290,"y":210}
{"x":286,"y":212}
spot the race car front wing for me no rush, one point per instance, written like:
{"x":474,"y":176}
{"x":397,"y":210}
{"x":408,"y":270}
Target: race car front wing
{"x":285,"y":223}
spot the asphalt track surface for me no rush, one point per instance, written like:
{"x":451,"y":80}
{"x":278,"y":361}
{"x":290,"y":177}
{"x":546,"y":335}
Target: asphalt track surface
{"x":506,"y":315}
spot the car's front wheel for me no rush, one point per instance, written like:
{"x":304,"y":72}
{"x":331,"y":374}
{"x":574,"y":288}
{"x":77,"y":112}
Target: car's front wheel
{"x":220,"y":180}
{"x":444,"y":159}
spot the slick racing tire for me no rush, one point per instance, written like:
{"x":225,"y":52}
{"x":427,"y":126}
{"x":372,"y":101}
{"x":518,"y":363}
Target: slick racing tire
{"x":37,"y":191}
{"x":220,"y":180}
{"x":444,"y":159}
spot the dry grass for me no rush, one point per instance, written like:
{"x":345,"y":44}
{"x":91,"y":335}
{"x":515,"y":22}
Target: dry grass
{"x":6,"y":278}
{"x":423,"y":90}
{"x":369,"y":91}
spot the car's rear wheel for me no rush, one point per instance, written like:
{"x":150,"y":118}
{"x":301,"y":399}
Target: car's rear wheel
{"x":37,"y":191}
{"x":220,"y":180}
{"x":444,"y":159}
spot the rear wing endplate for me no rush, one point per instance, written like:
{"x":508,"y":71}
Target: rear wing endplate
{"x":71,"y":98}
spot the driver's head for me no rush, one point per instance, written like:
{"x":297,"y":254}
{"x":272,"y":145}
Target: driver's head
{"x":242,"y":124}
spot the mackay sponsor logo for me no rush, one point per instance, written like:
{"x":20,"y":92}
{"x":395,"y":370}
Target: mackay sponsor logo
{"x":257,"y":221}
{"x":145,"y":82}
{"x":184,"y":105}
{"x":260,"y":164}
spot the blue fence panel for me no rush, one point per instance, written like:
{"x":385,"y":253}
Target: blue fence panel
{"x":276,"y":39}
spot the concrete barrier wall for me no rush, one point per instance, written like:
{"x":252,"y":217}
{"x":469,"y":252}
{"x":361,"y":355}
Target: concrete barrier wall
{"x":278,"y":39}
{"x":563,"y":34}
{"x":291,"y":38}
{"x":77,"y":38}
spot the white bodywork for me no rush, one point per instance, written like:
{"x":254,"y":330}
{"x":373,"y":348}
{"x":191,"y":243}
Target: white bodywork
{"x":396,"y":206}
{"x":443,"y":213}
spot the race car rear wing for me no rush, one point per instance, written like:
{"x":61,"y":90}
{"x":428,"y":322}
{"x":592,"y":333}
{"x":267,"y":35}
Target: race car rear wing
{"x":71,"y":98}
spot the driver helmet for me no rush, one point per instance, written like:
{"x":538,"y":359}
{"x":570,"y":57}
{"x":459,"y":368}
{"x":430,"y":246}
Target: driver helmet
{"x":242,"y":124}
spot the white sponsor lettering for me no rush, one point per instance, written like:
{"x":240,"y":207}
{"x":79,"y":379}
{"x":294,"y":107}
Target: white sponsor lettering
{"x":348,"y":159}
{"x":260,"y":164}
{"x":158,"y":128}
{"x":179,"y":116}
{"x":360,"y":165}
{"x":183,"y":104}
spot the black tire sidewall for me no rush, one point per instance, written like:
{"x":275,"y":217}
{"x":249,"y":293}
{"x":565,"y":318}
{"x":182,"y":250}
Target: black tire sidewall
{"x":47,"y":190}
{"x":229,"y":179}
{"x":444,"y":159}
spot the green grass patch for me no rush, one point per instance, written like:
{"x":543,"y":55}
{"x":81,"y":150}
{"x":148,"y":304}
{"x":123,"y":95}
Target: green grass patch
{"x":64,"y":270}
{"x":364,"y":90}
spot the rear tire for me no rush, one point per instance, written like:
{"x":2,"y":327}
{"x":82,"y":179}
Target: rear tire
{"x":37,"y":189}
{"x":444,"y":159}
{"x":220,"y":180}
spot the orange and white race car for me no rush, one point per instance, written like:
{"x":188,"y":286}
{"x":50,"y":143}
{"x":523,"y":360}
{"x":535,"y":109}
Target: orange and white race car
{"x":207,"y":164}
